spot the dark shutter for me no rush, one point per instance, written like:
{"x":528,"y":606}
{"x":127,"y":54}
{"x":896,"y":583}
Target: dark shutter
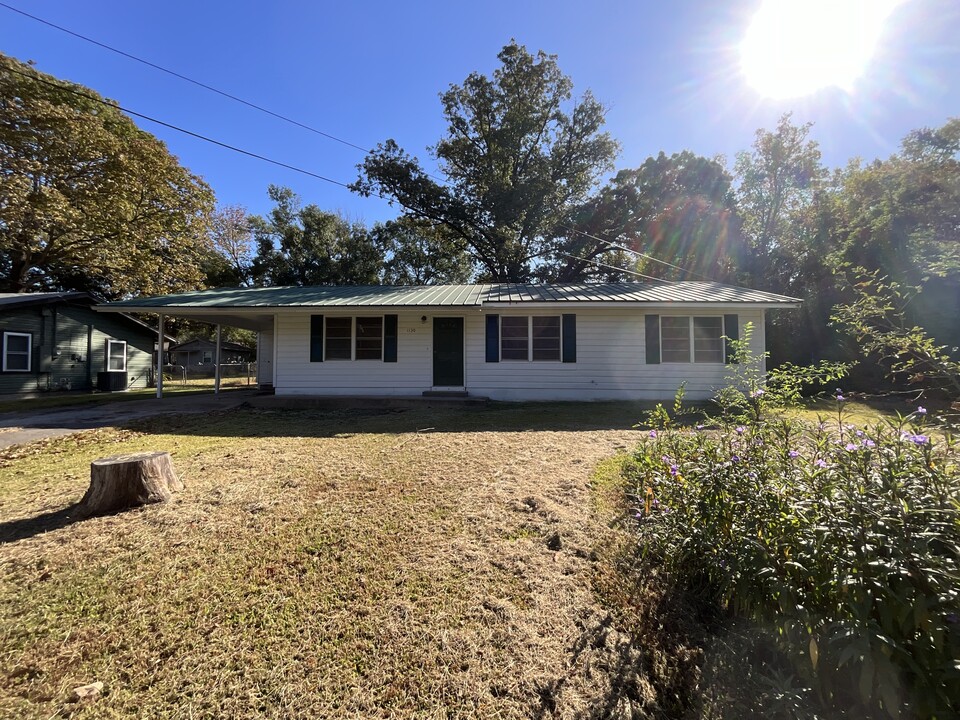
{"x":389,"y":338}
{"x":316,"y":338}
{"x":731,"y":328}
{"x":493,"y":338}
{"x":653,"y":339}
{"x":569,"y":338}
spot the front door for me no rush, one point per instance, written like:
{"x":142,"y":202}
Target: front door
{"x":448,"y":352}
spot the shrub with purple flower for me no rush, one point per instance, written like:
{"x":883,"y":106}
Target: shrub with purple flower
{"x":843,"y":538}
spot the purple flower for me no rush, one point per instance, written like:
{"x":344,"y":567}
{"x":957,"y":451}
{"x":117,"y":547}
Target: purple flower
{"x":793,"y":454}
{"x":740,"y":429}
{"x":757,"y":393}
{"x":735,"y":459}
{"x":666,"y":460}
{"x":700,"y":427}
{"x":919,"y":439}
{"x":653,"y":434}
{"x":921,"y":410}
{"x":674,"y":470}
{"x":859,"y":433}
{"x":840,"y":398}
{"x":639,"y":516}
{"x":868,"y":443}
{"x":820,"y":463}
{"x":850,"y":447}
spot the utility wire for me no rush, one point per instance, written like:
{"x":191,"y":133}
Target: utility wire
{"x":614,"y":267}
{"x":635,"y":252}
{"x":248,"y":153}
{"x":187,"y":79}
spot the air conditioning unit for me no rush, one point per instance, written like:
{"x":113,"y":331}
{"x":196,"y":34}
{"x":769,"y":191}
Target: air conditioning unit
{"x":111,"y":381}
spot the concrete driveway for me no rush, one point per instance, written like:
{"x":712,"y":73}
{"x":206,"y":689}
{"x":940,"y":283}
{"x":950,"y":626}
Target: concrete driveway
{"x":22,"y":427}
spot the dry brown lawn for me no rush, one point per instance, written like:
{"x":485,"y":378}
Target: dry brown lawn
{"x":415,"y":564}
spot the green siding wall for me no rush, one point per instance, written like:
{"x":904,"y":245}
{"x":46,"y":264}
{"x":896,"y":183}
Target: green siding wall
{"x":80,"y":334}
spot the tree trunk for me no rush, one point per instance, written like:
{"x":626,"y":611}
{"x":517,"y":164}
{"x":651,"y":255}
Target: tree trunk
{"x":123,"y":481}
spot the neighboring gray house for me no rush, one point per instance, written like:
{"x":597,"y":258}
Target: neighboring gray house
{"x":628,"y":341}
{"x":197,"y":355}
{"x":56,"y":341}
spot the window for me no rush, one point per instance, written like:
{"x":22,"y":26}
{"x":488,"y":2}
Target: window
{"x":116,"y":356}
{"x":530,"y":338}
{"x":699,"y":342}
{"x":369,"y":339}
{"x":546,"y":338}
{"x":708,"y":339}
{"x":17,"y":351}
{"x":207,"y":357}
{"x":675,"y":339}
{"x":339,"y":338}
{"x":348,"y":338}
{"x":513,"y":338}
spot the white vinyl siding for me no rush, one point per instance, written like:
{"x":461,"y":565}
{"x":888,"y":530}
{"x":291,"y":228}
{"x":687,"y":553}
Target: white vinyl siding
{"x":17,"y":351}
{"x":610,"y":363}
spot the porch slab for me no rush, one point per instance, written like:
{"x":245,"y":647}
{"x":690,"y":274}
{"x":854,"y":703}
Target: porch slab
{"x":346,"y":402}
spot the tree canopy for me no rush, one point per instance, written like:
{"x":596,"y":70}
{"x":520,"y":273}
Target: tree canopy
{"x":89,"y":201}
{"x":518,"y":157}
{"x":304,"y":245}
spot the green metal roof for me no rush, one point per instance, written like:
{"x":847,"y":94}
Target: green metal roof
{"x":455,"y":296}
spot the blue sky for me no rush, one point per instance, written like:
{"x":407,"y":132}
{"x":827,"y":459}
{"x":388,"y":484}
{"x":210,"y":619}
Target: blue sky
{"x":367,"y":71}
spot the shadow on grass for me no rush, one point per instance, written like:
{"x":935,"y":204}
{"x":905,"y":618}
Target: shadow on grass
{"x":246,"y":421}
{"x":15,"y":530}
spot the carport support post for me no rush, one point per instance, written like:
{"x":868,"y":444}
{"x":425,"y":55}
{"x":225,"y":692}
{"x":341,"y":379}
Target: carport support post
{"x":216,"y":366}
{"x":160,"y":357}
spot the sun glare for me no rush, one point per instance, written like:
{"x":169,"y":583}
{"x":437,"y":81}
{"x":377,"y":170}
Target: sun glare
{"x":796,"y":47}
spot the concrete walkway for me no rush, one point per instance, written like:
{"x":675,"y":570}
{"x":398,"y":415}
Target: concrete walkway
{"x":22,"y":427}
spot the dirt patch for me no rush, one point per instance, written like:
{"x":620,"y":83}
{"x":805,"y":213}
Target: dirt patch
{"x":321,"y":565}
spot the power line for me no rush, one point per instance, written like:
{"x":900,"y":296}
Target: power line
{"x":183,"y":130}
{"x":637,"y":252}
{"x":187,"y":79}
{"x":614,"y":267}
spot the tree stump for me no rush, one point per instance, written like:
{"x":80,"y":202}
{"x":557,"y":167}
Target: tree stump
{"x":124,"y":481}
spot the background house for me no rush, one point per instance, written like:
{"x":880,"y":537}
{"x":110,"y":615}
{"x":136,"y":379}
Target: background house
{"x":56,"y":341}
{"x":197,"y":355}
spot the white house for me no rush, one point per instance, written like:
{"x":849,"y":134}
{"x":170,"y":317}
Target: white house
{"x":611,"y":341}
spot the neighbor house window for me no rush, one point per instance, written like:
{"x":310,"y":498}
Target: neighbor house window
{"x":530,"y":338}
{"x":207,"y":357}
{"x":369,"y":340}
{"x":116,"y":355}
{"x":338,"y":338}
{"x":685,"y":339}
{"x":17,"y":351}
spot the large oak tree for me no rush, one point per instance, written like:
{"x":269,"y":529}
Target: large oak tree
{"x":89,"y":201}
{"x":519,"y":156}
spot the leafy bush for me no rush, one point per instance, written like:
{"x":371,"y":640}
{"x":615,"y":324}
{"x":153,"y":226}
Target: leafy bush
{"x":843,"y":541}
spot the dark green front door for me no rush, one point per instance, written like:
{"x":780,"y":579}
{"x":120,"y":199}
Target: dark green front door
{"x":448,"y":352}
